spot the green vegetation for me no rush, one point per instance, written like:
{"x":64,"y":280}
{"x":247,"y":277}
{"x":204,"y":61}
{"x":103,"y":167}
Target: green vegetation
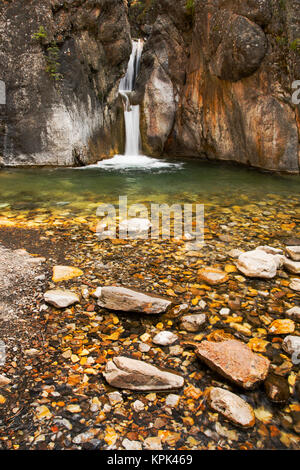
{"x":40,"y":35}
{"x":52,"y":59}
{"x":281,"y":40}
{"x":295,"y":45}
{"x":190,"y":7}
{"x":282,"y":4}
{"x":52,"y":54}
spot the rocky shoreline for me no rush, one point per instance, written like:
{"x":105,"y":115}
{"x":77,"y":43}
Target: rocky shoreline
{"x":222,"y":348}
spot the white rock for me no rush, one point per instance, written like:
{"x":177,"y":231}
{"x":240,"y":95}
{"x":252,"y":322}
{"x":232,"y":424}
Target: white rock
{"x":293,"y":252}
{"x":131,"y":445}
{"x":224,"y":311}
{"x":4,"y":381}
{"x":270,"y":250}
{"x":291,"y":344}
{"x":193,"y":323}
{"x":176,"y":350}
{"x":172,"y":400}
{"x":106,"y":234}
{"x":153,"y":443}
{"x":295,"y":285}
{"x":61,"y":298}
{"x":144,"y":348}
{"x":232,"y":407}
{"x":138,"y":406}
{"x":31,"y":352}
{"x":202,"y":304}
{"x":258,"y":263}
{"x":189,"y":236}
{"x":97,"y":293}
{"x":135,"y":225}
{"x":165,"y":338}
{"x":107,"y":408}
{"x":180,"y":309}
{"x":129,"y":300}
{"x":114,"y":398}
{"x":126,"y":373}
{"x":294,"y":313}
{"x":292,"y":266}
{"x":235,"y":253}
{"x":83,"y":437}
{"x":64,"y":422}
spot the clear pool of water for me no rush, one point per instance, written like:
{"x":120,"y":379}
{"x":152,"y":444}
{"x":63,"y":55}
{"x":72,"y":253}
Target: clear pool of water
{"x":169,"y":182}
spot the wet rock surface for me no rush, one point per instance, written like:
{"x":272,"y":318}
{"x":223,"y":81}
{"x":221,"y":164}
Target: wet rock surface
{"x":128,"y":300}
{"x":61,"y":298}
{"x":212,"y":276}
{"x":291,"y":345}
{"x":165,"y":338}
{"x":294,"y":313}
{"x":292,"y":266}
{"x":258,"y":263}
{"x":293,"y":252}
{"x":235,"y":361}
{"x":65,"y":273}
{"x":130,"y":374}
{"x":232,"y":407}
{"x":193,"y":323}
{"x":58,"y":398}
{"x":277,"y":388}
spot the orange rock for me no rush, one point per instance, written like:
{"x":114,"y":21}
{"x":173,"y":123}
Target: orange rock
{"x":258,"y":344}
{"x":235,"y":361}
{"x":212,"y":276}
{"x":65,"y":273}
{"x":282,"y":327}
{"x":219,"y":335}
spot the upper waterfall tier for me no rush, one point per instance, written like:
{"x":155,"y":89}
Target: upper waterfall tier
{"x":128,"y":82}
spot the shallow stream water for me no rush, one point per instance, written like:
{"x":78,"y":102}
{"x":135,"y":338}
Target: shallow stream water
{"x":155,"y":182}
{"x":52,"y":213}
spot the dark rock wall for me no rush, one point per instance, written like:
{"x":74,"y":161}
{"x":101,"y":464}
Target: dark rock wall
{"x":215,"y":82}
{"x":62,"y":86}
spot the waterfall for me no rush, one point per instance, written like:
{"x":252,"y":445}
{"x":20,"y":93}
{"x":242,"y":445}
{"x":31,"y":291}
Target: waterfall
{"x":132,"y":113}
{"x":132,"y":157}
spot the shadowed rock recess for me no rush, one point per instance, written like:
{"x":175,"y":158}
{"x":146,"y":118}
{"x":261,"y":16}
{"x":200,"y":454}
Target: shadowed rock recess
{"x":215,"y":80}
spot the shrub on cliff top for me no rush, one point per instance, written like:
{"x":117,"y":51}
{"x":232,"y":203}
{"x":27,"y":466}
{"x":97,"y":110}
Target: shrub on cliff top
{"x":190,"y":7}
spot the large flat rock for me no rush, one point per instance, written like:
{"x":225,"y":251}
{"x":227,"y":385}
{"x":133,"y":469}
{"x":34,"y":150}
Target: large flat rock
{"x":291,"y":345}
{"x":295,"y":285}
{"x":293,"y":252}
{"x":123,"y":372}
{"x":258,"y":263}
{"x":61,"y":298}
{"x":292,"y":266}
{"x":232,"y":407}
{"x":129,"y":300}
{"x":294,"y":313}
{"x":235,"y":361}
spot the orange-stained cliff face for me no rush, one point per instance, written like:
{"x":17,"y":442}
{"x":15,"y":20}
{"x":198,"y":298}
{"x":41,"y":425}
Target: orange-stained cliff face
{"x":223,"y":74}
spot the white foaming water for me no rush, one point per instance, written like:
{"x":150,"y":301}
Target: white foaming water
{"x":141,"y":162}
{"x":132,"y":113}
{"x":132,"y":157}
